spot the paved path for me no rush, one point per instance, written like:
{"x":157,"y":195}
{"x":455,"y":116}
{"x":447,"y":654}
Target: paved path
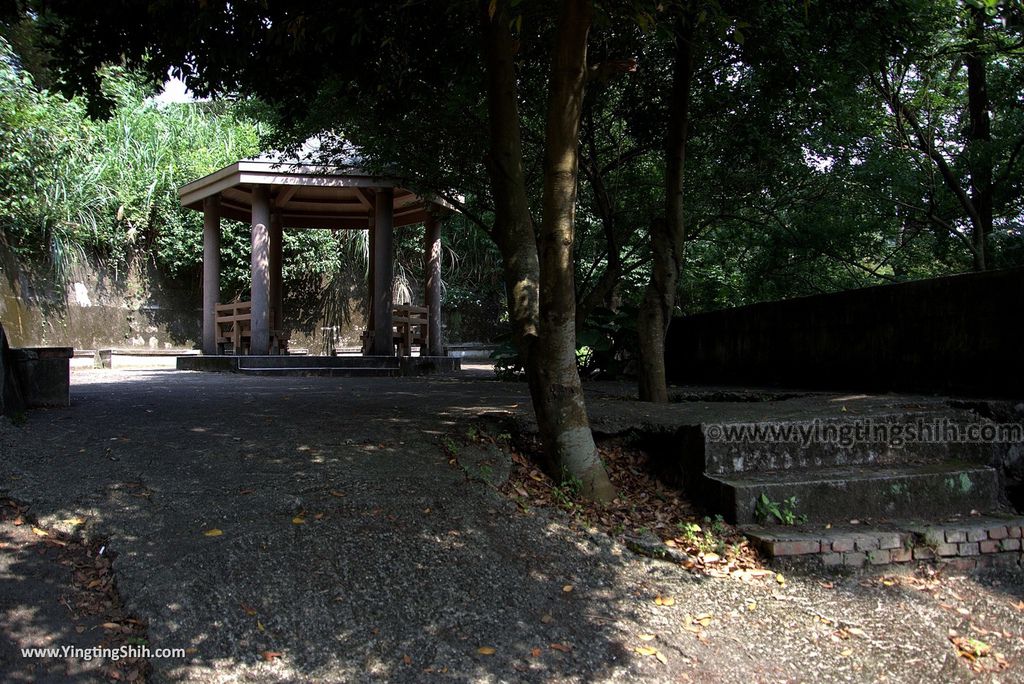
{"x":403,"y":569}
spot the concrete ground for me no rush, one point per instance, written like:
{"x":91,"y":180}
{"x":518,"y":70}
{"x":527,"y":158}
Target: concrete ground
{"x":312,"y":529}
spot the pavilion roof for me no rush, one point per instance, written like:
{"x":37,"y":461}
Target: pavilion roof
{"x":306,"y":195}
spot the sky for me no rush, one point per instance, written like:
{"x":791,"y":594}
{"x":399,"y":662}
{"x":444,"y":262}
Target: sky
{"x":174,"y":91}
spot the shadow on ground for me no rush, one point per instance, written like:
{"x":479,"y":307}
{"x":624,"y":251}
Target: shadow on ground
{"x":348,"y":549}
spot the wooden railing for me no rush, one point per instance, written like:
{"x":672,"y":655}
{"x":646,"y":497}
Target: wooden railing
{"x":409,"y":329}
{"x":234,"y":329}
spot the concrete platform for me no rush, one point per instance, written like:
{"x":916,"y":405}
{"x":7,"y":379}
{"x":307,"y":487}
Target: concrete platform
{"x":333,"y":366}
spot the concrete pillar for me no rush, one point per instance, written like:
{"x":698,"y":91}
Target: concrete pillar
{"x":260,"y":294}
{"x":383,"y":225}
{"x":276,"y":249}
{"x":432,"y":286}
{"x":371,"y":251}
{"x":211,"y":271}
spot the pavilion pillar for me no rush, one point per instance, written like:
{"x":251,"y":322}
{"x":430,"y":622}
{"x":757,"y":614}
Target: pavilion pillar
{"x":383,"y":224}
{"x":276,"y":250}
{"x":260,"y":293}
{"x":370,"y":275}
{"x":211,"y":271}
{"x":432,"y":286}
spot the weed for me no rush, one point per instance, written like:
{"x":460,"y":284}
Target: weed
{"x":783,"y":511}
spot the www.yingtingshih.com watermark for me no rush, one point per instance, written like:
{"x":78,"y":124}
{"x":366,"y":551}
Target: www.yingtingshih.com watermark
{"x":103,"y":653}
{"x":849,"y":433}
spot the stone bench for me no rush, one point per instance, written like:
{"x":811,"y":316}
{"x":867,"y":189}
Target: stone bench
{"x":43,"y":375}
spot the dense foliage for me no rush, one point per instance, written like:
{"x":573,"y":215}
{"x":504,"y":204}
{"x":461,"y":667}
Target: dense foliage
{"x":801,"y":176}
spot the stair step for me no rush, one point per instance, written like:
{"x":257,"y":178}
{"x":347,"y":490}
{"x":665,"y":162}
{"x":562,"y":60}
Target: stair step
{"x":304,"y":362}
{"x":933,"y":490}
{"x":964,"y":541}
{"x":318,"y":371}
{"x":901,"y":438}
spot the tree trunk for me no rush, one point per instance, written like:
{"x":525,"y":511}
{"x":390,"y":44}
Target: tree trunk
{"x":979,"y":137}
{"x":540,"y":287}
{"x":668,"y":235}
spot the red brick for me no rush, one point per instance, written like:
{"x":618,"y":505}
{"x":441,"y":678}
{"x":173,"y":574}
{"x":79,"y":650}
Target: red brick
{"x":988,"y":546}
{"x":977,"y":534}
{"x":1010,"y":544}
{"x":923,"y":553}
{"x":842,"y":545}
{"x":946,"y":549}
{"x":968,"y":549}
{"x":889,"y":541}
{"x":1013,"y":532}
{"x":879,"y":556}
{"x":831,"y":559}
{"x":866,"y":543}
{"x":795,"y":548}
{"x":997,"y":533}
{"x":854,"y":559}
{"x":901,"y":555}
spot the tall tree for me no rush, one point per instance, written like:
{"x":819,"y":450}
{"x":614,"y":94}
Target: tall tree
{"x":668,"y":233}
{"x":315,"y":65}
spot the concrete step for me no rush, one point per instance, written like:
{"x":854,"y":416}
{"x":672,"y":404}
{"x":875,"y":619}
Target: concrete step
{"x":934,"y":491}
{"x":848,"y":440}
{"x":320,"y":371}
{"x":277,"y":362}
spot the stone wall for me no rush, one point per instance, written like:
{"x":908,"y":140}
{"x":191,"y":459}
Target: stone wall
{"x":956,"y":335}
{"x":99,"y":308}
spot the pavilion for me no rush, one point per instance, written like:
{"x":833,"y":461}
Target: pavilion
{"x":274,"y":196}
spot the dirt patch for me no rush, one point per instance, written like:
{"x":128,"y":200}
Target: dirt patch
{"x":58,"y":592}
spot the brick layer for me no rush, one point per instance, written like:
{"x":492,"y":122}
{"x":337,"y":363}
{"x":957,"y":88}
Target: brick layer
{"x":977,"y":542}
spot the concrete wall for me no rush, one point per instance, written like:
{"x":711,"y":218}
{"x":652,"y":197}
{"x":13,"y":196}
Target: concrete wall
{"x":99,"y":308}
{"x":958,"y":334}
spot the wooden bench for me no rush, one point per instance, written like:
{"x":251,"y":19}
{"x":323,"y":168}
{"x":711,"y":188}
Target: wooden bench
{"x":409,"y":331}
{"x":410,"y":327}
{"x":234,"y":329}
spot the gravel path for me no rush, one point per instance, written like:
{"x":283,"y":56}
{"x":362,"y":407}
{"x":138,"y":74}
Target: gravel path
{"x":350,"y":547}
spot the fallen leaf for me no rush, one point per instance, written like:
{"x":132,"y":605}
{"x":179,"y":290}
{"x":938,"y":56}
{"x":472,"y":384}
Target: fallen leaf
{"x":407,"y":659}
{"x":846,"y":652}
{"x":645,"y":637}
{"x":645,"y":650}
{"x":40,"y":532}
{"x":298,"y":520}
{"x":711,"y":558}
{"x":214,"y":532}
{"x":486,"y":650}
{"x":271,"y":655}
{"x":661,"y":657}
{"x":111,"y":625}
{"x":857,"y":631}
{"x":567,"y":588}
{"x":780,"y":579}
{"x":243,"y":492}
{"x":336,"y":493}
{"x":547,"y":618}
{"x":249,"y":610}
{"x":564,"y":648}
{"x":664,"y":600}
{"x":73,"y":521}
{"x":535,"y":652}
